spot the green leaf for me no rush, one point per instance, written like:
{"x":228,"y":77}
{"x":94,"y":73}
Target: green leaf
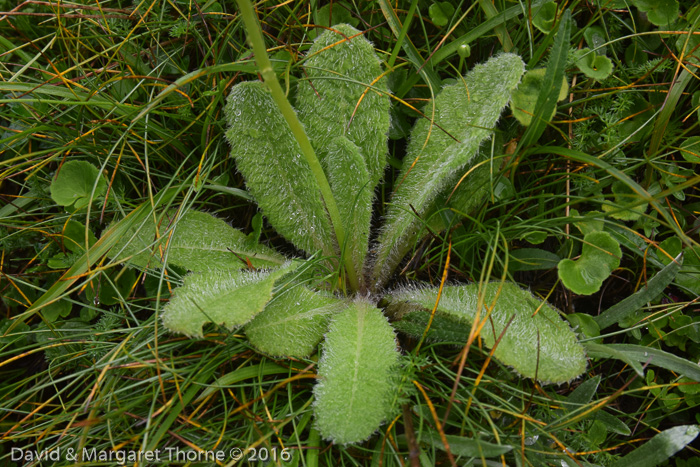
{"x":545,"y":16}
{"x":440,"y":149}
{"x":556,"y":72}
{"x":341,"y":98}
{"x":197,"y":241}
{"x":582,"y":395}
{"x":525,"y":97}
{"x":276,"y":174}
{"x":643,"y":354}
{"x":659,"y":448}
{"x":440,"y":13}
{"x":224,"y":297}
{"x":53,"y":311}
{"x":659,"y":12}
{"x":690,"y":149}
{"x":634,"y":302}
{"x":293,"y":323}
{"x":592,"y":221}
{"x":595,"y":38}
{"x":467,"y":447}
{"x":600,"y":350}
{"x":74,"y":237}
{"x":353,"y":394}
{"x":537,"y":343}
{"x":350,"y":184}
{"x":593,"y":65}
{"x":626,"y":206}
{"x":689,"y":275}
{"x":599,"y":257}
{"x":444,"y":328}
{"x":74,"y":183}
{"x":532,"y":259}
{"x":584,"y":323}
{"x":340,"y":13}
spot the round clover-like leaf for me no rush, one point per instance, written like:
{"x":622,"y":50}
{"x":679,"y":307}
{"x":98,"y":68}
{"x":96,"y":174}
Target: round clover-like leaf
{"x":593,"y":65}
{"x":524,"y":98}
{"x":440,"y":13}
{"x":545,"y":16}
{"x":659,"y":12}
{"x":627,"y":199}
{"x":74,"y":183}
{"x":599,"y":257}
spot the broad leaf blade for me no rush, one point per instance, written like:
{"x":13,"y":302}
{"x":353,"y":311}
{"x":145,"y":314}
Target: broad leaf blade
{"x":464,"y":115}
{"x":634,"y":302}
{"x":276,"y":174}
{"x":353,"y":395}
{"x":537,"y":343}
{"x":199,"y":242}
{"x":225,"y":297}
{"x":642,"y":354}
{"x":467,"y":447}
{"x":293,"y":323}
{"x":344,"y":96}
{"x":660,"y":447}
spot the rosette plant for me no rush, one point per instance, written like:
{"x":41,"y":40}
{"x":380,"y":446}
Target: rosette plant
{"x":313,"y":171}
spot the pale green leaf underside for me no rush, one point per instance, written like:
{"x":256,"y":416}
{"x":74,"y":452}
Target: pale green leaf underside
{"x":293,"y":323}
{"x":74,"y":183}
{"x":200,"y":242}
{"x":224,"y":297}
{"x":276,"y":173}
{"x":464,"y":115}
{"x":353,"y":394}
{"x":334,"y":99}
{"x":540,"y":346}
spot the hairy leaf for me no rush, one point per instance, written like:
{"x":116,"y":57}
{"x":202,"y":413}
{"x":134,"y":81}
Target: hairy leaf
{"x":353,"y":395}
{"x":197,"y":241}
{"x":276,"y":174}
{"x":441,"y":147}
{"x":341,"y":98}
{"x":600,"y":255}
{"x":293,"y":323}
{"x":537,"y":343}
{"x":350,"y":184}
{"x":225,"y":297}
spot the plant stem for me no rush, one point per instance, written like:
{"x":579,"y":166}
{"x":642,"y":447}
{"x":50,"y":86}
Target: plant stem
{"x":270,"y":79}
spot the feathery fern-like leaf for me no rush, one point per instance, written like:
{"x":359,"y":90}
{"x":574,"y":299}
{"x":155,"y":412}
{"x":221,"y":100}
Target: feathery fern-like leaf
{"x":464,"y":114}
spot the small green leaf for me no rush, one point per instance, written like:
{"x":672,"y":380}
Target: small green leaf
{"x":545,"y":16}
{"x":74,"y":237}
{"x":690,"y":149}
{"x":74,"y":183}
{"x":593,"y":65}
{"x":532,"y":259}
{"x":592,"y":221}
{"x":276,"y":173}
{"x":636,"y":301}
{"x":224,"y":297}
{"x":53,"y":311}
{"x":525,"y":97}
{"x":340,"y":13}
{"x":626,"y":206}
{"x":199,"y":242}
{"x":659,"y":12}
{"x":293,"y":323}
{"x":353,"y":394}
{"x":582,"y":395}
{"x":467,"y":447}
{"x":584,"y":323}
{"x":440,"y":13}
{"x":659,"y":448}
{"x":599,"y":257}
{"x":595,"y":38}
{"x":537,"y":343}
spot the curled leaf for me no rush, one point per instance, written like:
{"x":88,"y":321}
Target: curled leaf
{"x":599,"y":257}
